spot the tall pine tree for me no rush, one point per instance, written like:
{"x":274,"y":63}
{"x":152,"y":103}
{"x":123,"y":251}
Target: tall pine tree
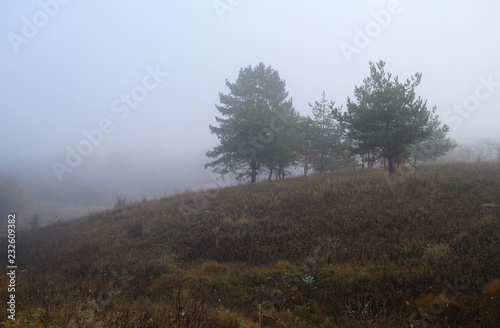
{"x":327,"y":137}
{"x":254,"y":127}
{"x":387,"y":116}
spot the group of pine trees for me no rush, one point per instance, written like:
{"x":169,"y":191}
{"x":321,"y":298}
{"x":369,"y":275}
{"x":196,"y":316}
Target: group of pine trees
{"x":261,"y":134}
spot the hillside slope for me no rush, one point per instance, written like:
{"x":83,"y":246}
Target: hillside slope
{"x":342,"y":249}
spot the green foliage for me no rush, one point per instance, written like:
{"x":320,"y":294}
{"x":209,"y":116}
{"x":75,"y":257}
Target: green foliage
{"x":254,"y":130}
{"x":387,"y":116}
{"x":328,"y":153}
{"x":436,"y":145}
{"x":305,"y":147}
{"x":259,"y":131}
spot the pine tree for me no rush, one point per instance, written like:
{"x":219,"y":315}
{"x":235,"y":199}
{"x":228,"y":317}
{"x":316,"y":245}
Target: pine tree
{"x":438,"y":144}
{"x":254,"y":127}
{"x":327,"y":137}
{"x":387,"y":116}
{"x":305,"y":147}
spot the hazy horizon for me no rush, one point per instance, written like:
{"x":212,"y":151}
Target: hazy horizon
{"x":147,"y":76}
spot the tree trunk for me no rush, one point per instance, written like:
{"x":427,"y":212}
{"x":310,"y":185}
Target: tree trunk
{"x":391,"y":167}
{"x":321,"y":163}
{"x":253,"y":166}
{"x":391,"y":158}
{"x":270,"y":175}
{"x":281,"y":172}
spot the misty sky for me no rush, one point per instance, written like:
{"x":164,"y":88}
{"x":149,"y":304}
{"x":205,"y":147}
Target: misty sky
{"x":148,"y":74}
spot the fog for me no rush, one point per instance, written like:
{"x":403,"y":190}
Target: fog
{"x":134,"y":84}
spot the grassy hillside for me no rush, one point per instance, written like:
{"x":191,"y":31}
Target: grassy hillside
{"x":343,"y":249}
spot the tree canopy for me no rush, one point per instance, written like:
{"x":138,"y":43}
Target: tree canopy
{"x":436,"y":145}
{"x":387,"y":116}
{"x":256,"y":126}
{"x":327,"y":137}
{"x":259,"y":131}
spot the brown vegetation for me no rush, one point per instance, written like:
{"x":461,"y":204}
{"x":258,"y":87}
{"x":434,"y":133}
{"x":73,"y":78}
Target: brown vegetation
{"x":341,"y":249}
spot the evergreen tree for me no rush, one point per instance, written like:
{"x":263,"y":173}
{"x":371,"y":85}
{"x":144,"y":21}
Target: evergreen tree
{"x":327,"y":137}
{"x":436,"y":145}
{"x":387,"y":116}
{"x":256,"y":118}
{"x":305,"y":147}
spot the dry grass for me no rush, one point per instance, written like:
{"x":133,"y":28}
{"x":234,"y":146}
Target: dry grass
{"x":344,"y":249}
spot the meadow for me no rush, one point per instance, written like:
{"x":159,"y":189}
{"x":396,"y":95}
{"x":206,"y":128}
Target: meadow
{"x":339,"y":249}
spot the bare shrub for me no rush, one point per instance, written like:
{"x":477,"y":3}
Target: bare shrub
{"x":439,"y":257}
{"x":35,"y":221}
{"x":120,"y":201}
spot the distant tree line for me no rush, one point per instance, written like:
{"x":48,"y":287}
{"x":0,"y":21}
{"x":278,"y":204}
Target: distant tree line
{"x":485,"y":150}
{"x":261,"y":134}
